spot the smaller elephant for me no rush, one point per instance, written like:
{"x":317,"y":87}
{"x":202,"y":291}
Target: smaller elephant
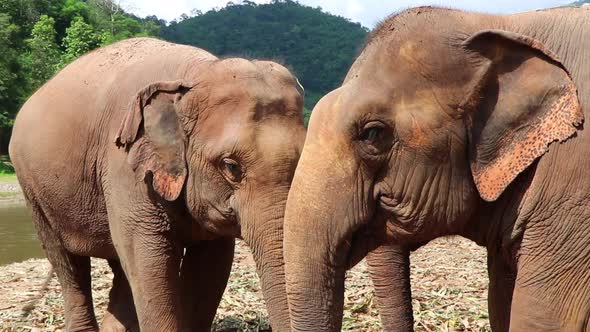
{"x":156,"y":156}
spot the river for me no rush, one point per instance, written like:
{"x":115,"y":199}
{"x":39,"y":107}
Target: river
{"x":18,"y":238}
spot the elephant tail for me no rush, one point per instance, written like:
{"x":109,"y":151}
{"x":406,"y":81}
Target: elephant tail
{"x":32,"y":302}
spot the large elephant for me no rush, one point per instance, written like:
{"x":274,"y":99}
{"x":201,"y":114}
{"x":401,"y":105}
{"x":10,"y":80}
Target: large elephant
{"x":156,"y":156}
{"x":452,"y":122}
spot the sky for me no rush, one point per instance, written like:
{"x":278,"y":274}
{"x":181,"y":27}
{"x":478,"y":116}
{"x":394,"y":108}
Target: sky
{"x":367,"y":12}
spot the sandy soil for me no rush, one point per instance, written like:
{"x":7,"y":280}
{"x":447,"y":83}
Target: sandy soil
{"x":449,"y":288}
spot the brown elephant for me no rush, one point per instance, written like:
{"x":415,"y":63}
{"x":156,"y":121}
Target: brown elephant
{"x":156,"y":156}
{"x":453,"y":123}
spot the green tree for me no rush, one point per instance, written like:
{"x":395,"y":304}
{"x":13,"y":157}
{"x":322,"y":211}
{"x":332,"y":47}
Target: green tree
{"x":43,"y":56}
{"x":25,"y":13}
{"x":8,"y":68}
{"x":109,"y":9}
{"x":74,"y":8}
{"x":114,"y":24}
{"x":10,"y":86}
{"x":123,"y":27}
{"x":39,"y":36}
{"x":69,"y":10}
{"x":80,"y":38}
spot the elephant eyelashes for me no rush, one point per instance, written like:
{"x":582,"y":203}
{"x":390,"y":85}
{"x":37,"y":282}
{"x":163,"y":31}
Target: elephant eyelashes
{"x":374,"y":138}
{"x":232,"y":170}
{"x":370,"y":135}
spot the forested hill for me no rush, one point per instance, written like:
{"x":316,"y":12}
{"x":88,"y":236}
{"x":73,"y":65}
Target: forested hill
{"x":318,"y":47}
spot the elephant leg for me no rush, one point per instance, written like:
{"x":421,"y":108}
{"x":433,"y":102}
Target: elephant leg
{"x":389,"y":267}
{"x":77,"y":293}
{"x":204,"y":274}
{"x":73,"y":273}
{"x":500,"y":292}
{"x":150,"y":258}
{"x":543,"y":300}
{"x":120,"y":315}
{"x":531,"y":311}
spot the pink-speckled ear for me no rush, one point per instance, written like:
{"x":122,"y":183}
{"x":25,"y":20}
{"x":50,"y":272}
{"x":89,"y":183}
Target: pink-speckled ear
{"x":152,"y":132}
{"x":521,"y":101}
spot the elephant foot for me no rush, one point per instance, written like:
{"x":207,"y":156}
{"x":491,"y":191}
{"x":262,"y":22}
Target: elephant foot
{"x":110,"y":323}
{"x":120,"y":315}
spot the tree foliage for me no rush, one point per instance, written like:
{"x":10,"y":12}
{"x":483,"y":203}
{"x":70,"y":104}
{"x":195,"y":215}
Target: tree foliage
{"x":38,"y":37}
{"x":80,"y":38}
{"x":9,"y":92}
{"x":42,"y":57}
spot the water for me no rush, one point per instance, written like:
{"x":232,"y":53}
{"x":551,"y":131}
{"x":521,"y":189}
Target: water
{"x":18,"y":238}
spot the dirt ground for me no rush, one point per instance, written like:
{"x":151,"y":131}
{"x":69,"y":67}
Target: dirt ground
{"x":449,"y":290}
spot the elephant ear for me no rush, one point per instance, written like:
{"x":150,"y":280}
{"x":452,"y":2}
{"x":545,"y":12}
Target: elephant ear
{"x":152,"y":133}
{"x":521,"y":100}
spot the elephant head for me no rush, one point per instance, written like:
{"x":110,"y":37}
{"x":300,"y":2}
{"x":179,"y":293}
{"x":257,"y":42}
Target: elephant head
{"x":436,"y":117}
{"x":224,"y":144}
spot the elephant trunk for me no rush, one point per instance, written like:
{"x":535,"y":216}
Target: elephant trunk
{"x":266,"y":243}
{"x":389,"y":267}
{"x":317,"y":244}
{"x":315,"y":285}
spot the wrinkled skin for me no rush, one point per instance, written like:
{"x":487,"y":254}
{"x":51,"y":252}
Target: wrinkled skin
{"x":147,"y":154}
{"x":389,"y":269}
{"x":453,"y":123}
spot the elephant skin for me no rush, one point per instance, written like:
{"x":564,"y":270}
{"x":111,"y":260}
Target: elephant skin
{"x":452,"y":123}
{"x":156,"y":156}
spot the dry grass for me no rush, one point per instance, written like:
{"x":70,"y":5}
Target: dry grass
{"x":449,"y":288}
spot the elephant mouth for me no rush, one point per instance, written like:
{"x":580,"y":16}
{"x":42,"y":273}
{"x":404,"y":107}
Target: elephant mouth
{"x":395,"y":223}
{"x":388,"y":202}
{"x":227,"y":214}
{"x":360,"y":245}
{"x":387,"y":227}
{"x":222,"y":222}
{"x":365,"y":239}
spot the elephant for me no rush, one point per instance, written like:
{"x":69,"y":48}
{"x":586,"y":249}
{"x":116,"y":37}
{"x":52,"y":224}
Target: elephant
{"x":452,"y":123}
{"x":156,"y":157}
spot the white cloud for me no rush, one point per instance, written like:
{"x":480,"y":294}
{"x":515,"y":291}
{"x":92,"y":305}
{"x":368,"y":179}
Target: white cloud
{"x":172,"y":9}
{"x":367,"y":12}
{"x":167,"y":10}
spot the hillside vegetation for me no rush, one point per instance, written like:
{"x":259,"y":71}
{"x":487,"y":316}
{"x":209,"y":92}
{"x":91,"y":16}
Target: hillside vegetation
{"x":39,"y":37}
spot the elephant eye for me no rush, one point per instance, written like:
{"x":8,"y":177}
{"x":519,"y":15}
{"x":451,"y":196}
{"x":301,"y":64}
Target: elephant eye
{"x":232,"y":169}
{"x":375,"y":138}
{"x":370,"y":135}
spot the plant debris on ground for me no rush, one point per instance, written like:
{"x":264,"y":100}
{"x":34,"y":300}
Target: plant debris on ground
{"x":449,"y":291}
